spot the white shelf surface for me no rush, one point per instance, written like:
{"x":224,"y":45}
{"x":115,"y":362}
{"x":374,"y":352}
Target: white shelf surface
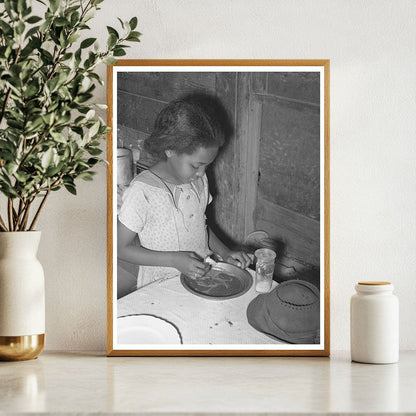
{"x":90,"y":383}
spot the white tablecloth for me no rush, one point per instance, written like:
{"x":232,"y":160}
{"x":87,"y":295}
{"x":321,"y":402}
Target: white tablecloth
{"x":200,"y":320}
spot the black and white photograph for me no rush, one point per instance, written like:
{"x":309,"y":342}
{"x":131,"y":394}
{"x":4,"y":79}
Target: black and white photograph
{"x":218,"y":215}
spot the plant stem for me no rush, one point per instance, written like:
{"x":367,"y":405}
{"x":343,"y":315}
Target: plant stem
{"x":2,"y":224}
{"x":3,"y":109}
{"x":39,"y":209}
{"x":10,"y":213}
{"x":36,"y":144}
{"x":21,"y":212}
{"x":26,"y":216}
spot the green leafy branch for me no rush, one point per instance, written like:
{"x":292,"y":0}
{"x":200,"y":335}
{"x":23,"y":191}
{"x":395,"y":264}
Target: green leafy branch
{"x":50,"y":134}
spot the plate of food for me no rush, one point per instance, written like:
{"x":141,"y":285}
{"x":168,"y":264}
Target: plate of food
{"x":146,"y":329}
{"x":223,"y":281}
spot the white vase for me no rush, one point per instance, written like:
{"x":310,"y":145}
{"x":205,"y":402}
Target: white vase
{"x":22,"y":296}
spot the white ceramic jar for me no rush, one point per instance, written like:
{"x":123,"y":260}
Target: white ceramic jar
{"x":374,"y":323}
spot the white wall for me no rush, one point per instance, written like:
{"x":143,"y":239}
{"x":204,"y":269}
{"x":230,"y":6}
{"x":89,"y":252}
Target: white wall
{"x":371,"y":45}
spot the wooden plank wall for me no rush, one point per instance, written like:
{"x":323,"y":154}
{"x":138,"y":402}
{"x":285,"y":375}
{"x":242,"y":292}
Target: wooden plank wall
{"x":288,"y":202}
{"x":289,"y":156}
{"x":224,"y":183}
{"x":284,"y":110}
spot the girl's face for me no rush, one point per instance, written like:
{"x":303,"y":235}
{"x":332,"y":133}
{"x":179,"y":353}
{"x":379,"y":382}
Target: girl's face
{"x":186,"y":168}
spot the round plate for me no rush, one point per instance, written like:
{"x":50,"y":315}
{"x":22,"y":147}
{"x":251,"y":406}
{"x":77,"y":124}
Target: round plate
{"x":256,"y":237}
{"x":146,"y":329}
{"x":223,"y":281}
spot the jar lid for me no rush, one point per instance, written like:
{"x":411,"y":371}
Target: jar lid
{"x":265,"y":254}
{"x":373,"y":287}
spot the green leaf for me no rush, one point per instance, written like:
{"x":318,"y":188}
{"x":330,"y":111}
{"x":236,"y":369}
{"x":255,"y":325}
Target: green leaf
{"x":112,"y":31}
{"x":35,"y":125}
{"x":89,"y":15}
{"x":20,"y":28}
{"x":47,"y":158}
{"x":133,"y":37}
{"x":133,"y":23}
{"x":94,"y":151}
{"x":58,"y":137}
{"x":21,"y":177}
{"x":90,"y":114}
{"x":27,"y":11}
{"x":87,"y":42}
{"x":74,"y":18}
{"x":112,"y":41}
{"x":86,"y":176}
{"x":94,"y":129}
{"x":16,"y":124}
{"x":52,"y":171}
{"x":110,"y":60}
{"x":96,"y":77}
{"x":5,"y":146}
{"x":92,"y":161}
{"x":53,"y":83}
{"x":31,"y":32}
{"x":73,"y":38}
{"x":31,"y":90}
{"x":11,"y":168}
{"x":33,"y":19}
{"x":10,"y":8}
{"x":54,"y":4}
{"x":8,"y":191}
{"x":119,"y":52}
{"x":82,"y":98}
{"x":21,"y":6}
{"x":67,"y":56}
{"x":63,"y":41}
{"x":46,"y":56}
{"x":48,"y":118}
{"x":61,"y":21}
{"x":70,"y":188}
{"x":67,"y":153}
{"x":6,"y":29}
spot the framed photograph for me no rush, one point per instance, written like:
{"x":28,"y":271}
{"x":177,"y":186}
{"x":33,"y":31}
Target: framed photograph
{"x":218,"y":208}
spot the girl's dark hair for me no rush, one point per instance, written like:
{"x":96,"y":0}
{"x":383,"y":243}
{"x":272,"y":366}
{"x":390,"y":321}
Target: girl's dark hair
{"x":184,"y":125}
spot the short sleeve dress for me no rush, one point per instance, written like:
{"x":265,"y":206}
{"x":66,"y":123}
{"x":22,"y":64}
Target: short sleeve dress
{"x":166,"y":219}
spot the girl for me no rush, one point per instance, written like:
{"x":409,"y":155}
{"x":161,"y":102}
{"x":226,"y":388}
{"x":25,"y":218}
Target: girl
{"x":165,"y":206}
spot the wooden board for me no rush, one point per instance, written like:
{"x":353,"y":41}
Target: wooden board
{"x":289,"y":157}
{"x":259,"y":82}
{"x":165,"y":86}
{"x":303,"y":86}
{"x":222,"y":181}
{"x":138,"y":113}
{"x":299,"y":234}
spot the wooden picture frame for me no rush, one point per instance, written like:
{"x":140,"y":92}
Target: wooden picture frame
{"x":272,"y":176}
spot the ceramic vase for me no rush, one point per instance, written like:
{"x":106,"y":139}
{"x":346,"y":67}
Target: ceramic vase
{"x":22,"y":296}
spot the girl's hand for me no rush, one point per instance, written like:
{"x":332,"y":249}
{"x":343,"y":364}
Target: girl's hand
{"x":190,"y":264}
{"x":238,"y":258}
